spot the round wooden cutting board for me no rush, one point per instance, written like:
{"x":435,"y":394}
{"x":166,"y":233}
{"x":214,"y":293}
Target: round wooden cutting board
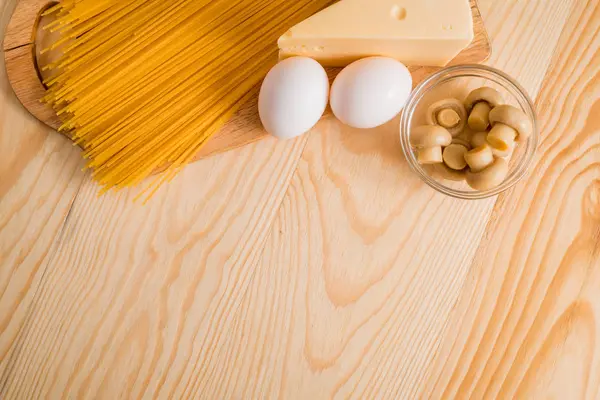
{"x":21,"y":65}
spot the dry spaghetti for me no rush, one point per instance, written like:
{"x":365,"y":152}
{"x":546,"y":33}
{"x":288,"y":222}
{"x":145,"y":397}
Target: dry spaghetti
{"x":143,"y":84}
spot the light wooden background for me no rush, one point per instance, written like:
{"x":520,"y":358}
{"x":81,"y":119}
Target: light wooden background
{"x":308,"y":269}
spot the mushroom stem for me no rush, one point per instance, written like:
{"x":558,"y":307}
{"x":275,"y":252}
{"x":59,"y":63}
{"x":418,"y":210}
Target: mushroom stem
{"x":513,"y":117}
{"x":429,"y":140}
{"x":479,"y":120}
{"x":502,"y":139}
{"x":448,"y":118}
{"x":479,"y":158}
{"x":430,"y":155}
{"x":448,"y":113}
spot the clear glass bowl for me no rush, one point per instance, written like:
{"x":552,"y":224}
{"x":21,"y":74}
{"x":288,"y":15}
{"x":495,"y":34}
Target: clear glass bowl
{"x":458,"y":82}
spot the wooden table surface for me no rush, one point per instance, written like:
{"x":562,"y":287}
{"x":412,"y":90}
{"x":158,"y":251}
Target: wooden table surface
{"x":308,"y":269}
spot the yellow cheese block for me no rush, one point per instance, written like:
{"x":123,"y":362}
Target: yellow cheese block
{"x":416,"y":32}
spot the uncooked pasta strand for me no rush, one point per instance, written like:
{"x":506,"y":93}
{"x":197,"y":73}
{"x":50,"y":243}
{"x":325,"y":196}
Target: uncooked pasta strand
{"x":144,"y":84}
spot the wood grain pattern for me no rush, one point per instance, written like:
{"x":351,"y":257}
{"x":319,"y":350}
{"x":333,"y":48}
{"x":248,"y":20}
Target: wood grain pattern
{"x":244,"y":127}
{"x":157,"y":277}
{"x":363,"y":266}
{"x":39,"y":178}
{"x":320,"y":268}
{"x":21,"y":26}
{"x":528,"y":316}
{"x":19,"y":70}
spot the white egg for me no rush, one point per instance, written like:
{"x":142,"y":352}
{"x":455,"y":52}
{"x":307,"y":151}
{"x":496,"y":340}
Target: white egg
{"x":370,"y":92}
{"x":293,"y":97}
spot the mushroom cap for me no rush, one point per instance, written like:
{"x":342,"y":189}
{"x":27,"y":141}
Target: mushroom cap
{"x":487,"y":94}
{"x":513,"y":117}
{"x":448,"y":104}
{"x":489,"y":177}
{"x":430,"y":136}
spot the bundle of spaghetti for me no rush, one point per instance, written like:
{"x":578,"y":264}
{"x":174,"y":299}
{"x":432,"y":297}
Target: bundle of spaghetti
{"x":143,"y":84}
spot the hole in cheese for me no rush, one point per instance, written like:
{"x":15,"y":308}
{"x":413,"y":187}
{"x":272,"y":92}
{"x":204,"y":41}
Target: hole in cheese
{"x":399,"y":13}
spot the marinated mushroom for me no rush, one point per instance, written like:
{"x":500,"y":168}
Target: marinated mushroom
{"x":430,"y":155}
{"x":479,"y":139}
{"x":475,"y":153}
{"x":429,"y":140}
{"x":448,"y":113}
{"x":479,"y":158}
{"x":502,"y":140}
{"x":479,"y":118}
{"x":479,"y":104}
{"x":454,"y":156}
{"x":512,"y":117}
{"x":490,"y":177}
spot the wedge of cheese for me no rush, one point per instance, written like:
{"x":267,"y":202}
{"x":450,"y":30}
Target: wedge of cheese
{"x":416,"y":32}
